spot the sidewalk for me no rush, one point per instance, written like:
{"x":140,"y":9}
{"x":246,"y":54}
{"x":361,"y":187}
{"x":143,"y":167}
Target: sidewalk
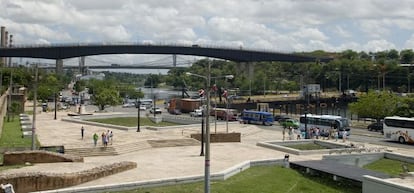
{"x":156,"y":163}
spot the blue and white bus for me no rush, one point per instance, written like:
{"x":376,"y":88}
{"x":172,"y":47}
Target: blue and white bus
{"x":257,"y":117}
{"x":326,"y":122}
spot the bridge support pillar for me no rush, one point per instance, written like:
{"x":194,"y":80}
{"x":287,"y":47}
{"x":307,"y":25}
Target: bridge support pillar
{"x":59,"y":66}
{"x":175,"y":60}
{"x":82,"y":69}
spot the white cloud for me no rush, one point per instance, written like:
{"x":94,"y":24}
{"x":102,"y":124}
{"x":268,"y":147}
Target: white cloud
{"x":287,"y":25}
{"x":310,"y":34}
{"x":341,"y":32}
{"x":409,"y":44}
{"x":378,"y":45}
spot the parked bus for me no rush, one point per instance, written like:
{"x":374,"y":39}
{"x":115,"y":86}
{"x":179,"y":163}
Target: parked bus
{"x":399,"y":129}
{"x":257,"y":117}
{"x":326,"y":122}
{"x":224,"y":114}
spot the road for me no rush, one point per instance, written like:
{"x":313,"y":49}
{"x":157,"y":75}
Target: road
{"x":357,"y":134}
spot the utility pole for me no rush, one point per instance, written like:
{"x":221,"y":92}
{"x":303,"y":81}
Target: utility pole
{"x":34,"y":109}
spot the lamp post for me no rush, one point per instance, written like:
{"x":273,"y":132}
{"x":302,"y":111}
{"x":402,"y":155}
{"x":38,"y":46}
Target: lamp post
{"x":55,"y":104}
{"x":139,"y":116}
{"x":207,"y":154}
{"x":34,"y":109}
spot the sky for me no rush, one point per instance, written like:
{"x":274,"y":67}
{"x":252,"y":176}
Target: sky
{"x":277,"y":25}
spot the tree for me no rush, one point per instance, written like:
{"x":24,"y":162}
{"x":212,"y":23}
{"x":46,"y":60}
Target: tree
{"x":375,"y":105}
{"x":407,"y":56}
{"x":106,"y":97}
{"x":79,"y":85}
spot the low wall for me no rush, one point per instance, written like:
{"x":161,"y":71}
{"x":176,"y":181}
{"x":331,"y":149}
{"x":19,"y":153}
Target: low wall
{"x":220,"y":137}
{"x":29,"y":182}
{"x":37,"y":156}
{"x":377,"y":185}
{"x":359,"y":159}
{"x":281,"y":146}
{"x":3,"y":109}
{"x":85,"y":122}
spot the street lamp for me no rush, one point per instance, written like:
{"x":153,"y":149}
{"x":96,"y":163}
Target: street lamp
{"x":139,"y":116}
{"x":34,"y":108}
{"x":207,"y":155}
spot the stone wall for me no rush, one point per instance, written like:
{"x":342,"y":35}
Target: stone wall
{"x":37,"y":156}
{"x":220,"y":137}
{"x":30,"y":182}
{"x":3,"y":109}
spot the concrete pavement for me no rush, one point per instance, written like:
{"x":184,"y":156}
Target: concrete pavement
{"x":157,"y":163}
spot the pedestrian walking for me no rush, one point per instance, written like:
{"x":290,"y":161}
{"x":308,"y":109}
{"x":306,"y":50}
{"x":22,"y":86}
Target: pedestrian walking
{"x":344,"y":135}
{"x":111,"y":136}
{"x":103,"y":136}
{"x":82,"y":131}
{"x":95,"y":139}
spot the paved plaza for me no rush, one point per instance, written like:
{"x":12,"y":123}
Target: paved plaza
{"x":163,"y":162}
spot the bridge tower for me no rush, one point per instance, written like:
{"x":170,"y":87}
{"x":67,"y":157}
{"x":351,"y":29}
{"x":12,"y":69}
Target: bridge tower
{"x":3,"y":44}
{"x":175,"y":60}
{"x":59,"y":66}
{"x":82,"y":69}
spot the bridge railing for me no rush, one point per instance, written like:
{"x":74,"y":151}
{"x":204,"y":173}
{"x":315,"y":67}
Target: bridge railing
{"x":144,"y":43}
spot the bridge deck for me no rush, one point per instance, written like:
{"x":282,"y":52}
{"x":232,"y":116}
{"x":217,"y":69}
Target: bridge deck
{"x":341,"y":170}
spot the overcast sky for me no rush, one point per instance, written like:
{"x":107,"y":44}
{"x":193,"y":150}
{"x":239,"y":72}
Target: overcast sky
{"x":280,"y":25}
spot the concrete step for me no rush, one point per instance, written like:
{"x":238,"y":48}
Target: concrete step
{"x":94,"y":151}
{"x":132,"y":147}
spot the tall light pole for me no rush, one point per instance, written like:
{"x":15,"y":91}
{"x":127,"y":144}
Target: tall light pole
{"x":55,"y":104}
{"x":207,"y":153}
{"x":139,"y":116}
{"x":34,"y":110}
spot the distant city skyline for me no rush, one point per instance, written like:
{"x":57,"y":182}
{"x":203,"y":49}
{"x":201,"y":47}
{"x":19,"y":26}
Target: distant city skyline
{"x":283,"y":25}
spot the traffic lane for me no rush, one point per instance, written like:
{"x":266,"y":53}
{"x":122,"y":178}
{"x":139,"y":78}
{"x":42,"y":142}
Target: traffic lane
{"x":378,"y":141}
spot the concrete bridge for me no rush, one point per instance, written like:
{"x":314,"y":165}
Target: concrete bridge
{"x":59,"y":52}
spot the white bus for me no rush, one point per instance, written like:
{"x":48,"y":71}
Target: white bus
{"x":399,"y":129}
{"x":326,"y":122}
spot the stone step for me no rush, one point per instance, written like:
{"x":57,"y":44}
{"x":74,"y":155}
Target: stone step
{"x":132,"y":147}
{"x":94,"y":151}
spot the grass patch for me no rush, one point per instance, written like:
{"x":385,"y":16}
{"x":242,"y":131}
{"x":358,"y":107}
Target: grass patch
{"x":263,"y":179}
{"x":131,"y":121}
{"x":306,"y":146}
{"x":12,"y":135}
{"x":389,"y":166}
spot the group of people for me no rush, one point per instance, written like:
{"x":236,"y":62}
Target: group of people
{"x":313,"y":133}
{"x":107,"y":137}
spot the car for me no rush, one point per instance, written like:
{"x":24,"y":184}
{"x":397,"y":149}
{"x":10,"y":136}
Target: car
{"x":290,"y":123}
{"x":376,"y":126}
{"x":196,"y":113}
{"x":155,"y":110}
{"x":128,"y":105}
{"x":142,"y":107}
{"x":281,"y":118}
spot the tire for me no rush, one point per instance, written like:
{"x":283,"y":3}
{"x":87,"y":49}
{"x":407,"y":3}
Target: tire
{"x":401,"y":140}
{"x":369,"y":129}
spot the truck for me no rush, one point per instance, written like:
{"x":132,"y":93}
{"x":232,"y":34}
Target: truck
{"x":185,"y":105}
{"x":224,"y":114}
